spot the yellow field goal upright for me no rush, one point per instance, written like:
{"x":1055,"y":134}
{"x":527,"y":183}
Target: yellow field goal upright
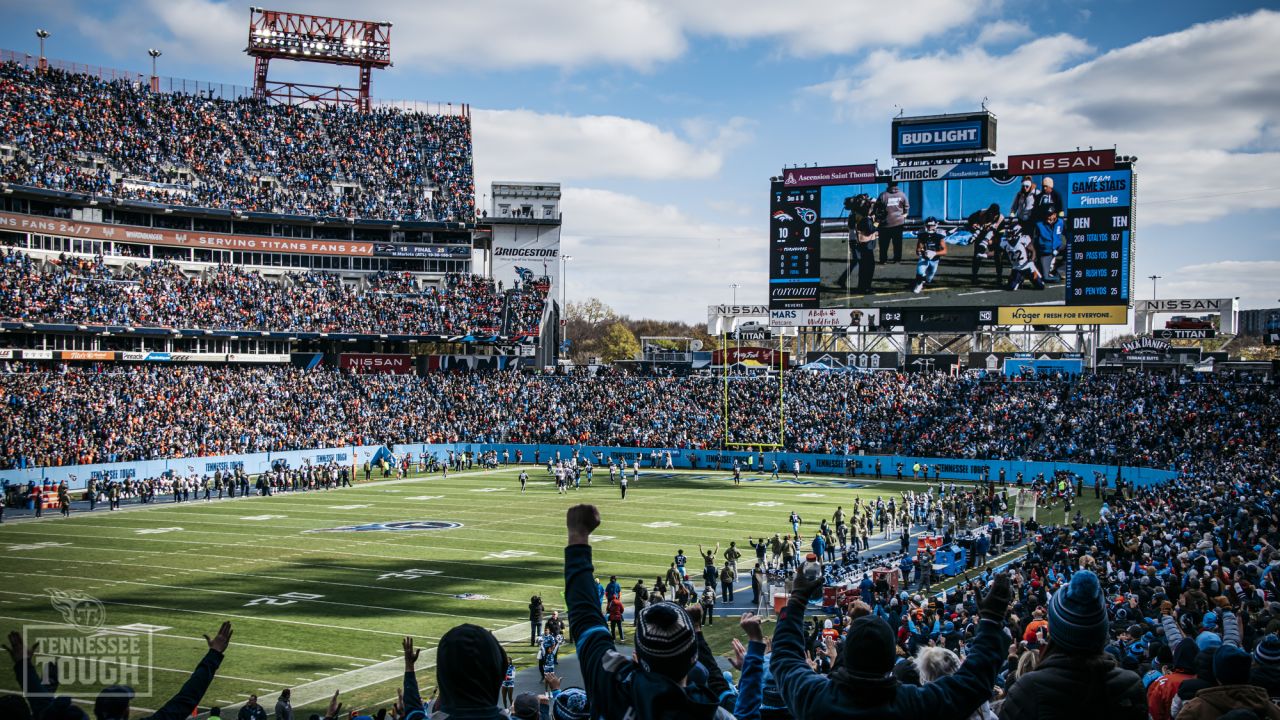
{"x":725,"y":367}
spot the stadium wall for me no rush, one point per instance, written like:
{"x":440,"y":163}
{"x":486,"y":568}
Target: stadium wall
{"x":964,"y":469}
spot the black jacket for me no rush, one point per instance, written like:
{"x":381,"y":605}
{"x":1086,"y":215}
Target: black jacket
{"x":1063,"y":686}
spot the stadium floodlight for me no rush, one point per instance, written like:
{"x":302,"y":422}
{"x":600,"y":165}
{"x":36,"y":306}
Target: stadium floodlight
{"x":155,"y":80}
{"x":274,"y":34}
{"x":42,"y":34}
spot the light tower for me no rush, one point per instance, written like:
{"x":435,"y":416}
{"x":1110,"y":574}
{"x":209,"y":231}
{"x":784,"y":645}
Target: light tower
{"x":43,"y":63}
{"x":155,"y":79}
{"x":365,"y":44}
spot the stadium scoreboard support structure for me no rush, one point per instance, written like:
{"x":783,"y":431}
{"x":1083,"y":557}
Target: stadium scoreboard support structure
{"x":365,"y":44}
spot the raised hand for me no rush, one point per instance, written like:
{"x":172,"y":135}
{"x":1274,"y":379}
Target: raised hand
{"x":220,"y":641}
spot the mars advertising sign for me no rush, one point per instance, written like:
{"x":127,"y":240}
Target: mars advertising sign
{"x":750,"y":356}
{"x":1078,"y":161}
{"x":376,"y":363}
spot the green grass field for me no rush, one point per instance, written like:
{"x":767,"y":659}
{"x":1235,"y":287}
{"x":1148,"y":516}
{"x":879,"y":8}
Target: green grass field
{"x":318,"y":611}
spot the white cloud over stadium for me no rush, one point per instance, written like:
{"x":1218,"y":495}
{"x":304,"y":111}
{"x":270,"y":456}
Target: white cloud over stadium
{"x":1198,"y":107}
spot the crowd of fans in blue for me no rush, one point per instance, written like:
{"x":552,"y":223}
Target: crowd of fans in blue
{"x":160,"y":294}
{"x":88,"y":414}
{"x":78,"y":133}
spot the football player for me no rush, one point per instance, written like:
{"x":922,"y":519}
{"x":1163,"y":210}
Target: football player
{"x":931,"y":245}
{"x":1022,"y":259}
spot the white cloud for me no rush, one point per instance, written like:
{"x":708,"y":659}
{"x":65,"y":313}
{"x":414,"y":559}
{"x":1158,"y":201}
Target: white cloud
{"x":518,"y":34}
{"x":1252,"y":281}
{"x":1002,"y":31}
{"x":1198,"y":106}
{"x":651,"y":260}
{"x":526,"y":145}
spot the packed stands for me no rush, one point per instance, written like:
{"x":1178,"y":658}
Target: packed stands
{"x":78,"y":133}
{"x":160,"y":294}
{"x":117,"y":414}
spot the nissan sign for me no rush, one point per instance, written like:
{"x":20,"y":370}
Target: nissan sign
{"x":1078,"y":161}
{"x":376,"y":363}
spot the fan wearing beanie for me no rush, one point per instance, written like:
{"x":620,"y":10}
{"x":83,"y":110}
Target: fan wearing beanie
{"x":655,"y":682}
{"x":862,"y":683}
{"x":1266,"y":665}
{"x":1076,"y":677}
{"x":1231,"y":667}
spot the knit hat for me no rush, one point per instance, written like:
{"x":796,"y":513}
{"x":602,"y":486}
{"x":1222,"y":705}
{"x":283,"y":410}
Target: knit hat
{"x":1210,"y":620}
{"x":1268,"y":650}
{"x":869,"y":652}
{"x":1231,"y":665}
{"x":570,"y":704}
{"x":665,"y":640}
{"x":470,"y":665}
{"x":1208,"y":642}
{"x":1077,"y":616}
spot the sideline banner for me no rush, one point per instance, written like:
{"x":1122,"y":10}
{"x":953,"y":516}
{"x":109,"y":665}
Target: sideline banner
{"x":682,"y":458}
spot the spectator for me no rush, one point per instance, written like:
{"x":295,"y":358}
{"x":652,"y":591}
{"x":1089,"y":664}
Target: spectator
{"x":1075,"y":678}
{"x":654,"y":684}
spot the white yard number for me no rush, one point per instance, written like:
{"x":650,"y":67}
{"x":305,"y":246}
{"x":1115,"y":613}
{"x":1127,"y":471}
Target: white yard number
{"x":157,"y":531}
{"x":766,"y":503}
{"x":285,"y":599}
{"x":661,"y":524}
{"x":717,"y":513}
{"x":410,"y":574}
{"x":509,"y":554}
{"x":264,"y":517}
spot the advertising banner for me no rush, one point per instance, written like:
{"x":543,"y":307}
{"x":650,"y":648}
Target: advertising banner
{"x":86,"y":355}
{"x":942,"y":135}
{"x":941,"y":171}
{"x":385,"y":363}
{"x":1076,"y":161}
{"x":830,"y":175}
{"x":523,"y":252}
{"x":16,"y":222}
{"x":1213,"y":305}
{"x":825,"y":317}
{"x":1059,"y":315}
{"x":749,"y":356}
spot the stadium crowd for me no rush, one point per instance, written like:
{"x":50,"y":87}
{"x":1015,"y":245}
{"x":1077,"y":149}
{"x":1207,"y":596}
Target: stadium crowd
{"x":78,"y":133}
{"x":160,"y":294}
{"x":78,"y":415}
{"x":1167,"y":605}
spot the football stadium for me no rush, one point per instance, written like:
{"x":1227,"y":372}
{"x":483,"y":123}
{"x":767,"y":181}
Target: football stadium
{"x":301,"y":419}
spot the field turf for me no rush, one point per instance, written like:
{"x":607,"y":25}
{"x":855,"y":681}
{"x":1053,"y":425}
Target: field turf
{"x":318,"y":611}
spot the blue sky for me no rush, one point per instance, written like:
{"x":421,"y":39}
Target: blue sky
{"x":664,"y":119}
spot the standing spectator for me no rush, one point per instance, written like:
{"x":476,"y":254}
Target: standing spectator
{"x":892,"y":207}
{"x":284,"y":709}
{"x":652,"y":685}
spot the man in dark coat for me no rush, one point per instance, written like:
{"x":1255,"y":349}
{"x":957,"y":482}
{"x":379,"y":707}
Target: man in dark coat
{"x":862,"y":684}
{"x":1076,"y":678}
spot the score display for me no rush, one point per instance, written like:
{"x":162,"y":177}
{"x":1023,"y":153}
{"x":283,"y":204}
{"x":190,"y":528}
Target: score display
{"x":1098,"y":219}
{"x":795,"y":232}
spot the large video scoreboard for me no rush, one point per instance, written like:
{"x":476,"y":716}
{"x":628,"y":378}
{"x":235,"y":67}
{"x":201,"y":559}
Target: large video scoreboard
{"x":1051,"y":230}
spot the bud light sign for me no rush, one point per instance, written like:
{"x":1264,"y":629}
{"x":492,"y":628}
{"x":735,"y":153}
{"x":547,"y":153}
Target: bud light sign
{"x":944,"y":135}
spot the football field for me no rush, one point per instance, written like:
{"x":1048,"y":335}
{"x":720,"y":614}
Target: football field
{"x":321,"y":586}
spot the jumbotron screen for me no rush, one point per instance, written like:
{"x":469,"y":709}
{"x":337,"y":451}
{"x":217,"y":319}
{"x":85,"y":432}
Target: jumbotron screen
{"x":946,"y":236}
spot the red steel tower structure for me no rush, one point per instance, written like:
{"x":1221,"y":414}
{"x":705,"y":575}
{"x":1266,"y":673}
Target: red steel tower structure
{"x":366,"y":44}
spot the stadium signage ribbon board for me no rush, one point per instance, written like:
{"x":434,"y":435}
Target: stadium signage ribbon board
{"x":828,"y":175}
{"x":823,"y":317}
{"x":376,"y":363}
{"x":1074,"y":161}
{"x":941,"y":171}
{"x":159,"y":236}
{"x":407,"y":250}
{"x":1059,"y":315}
